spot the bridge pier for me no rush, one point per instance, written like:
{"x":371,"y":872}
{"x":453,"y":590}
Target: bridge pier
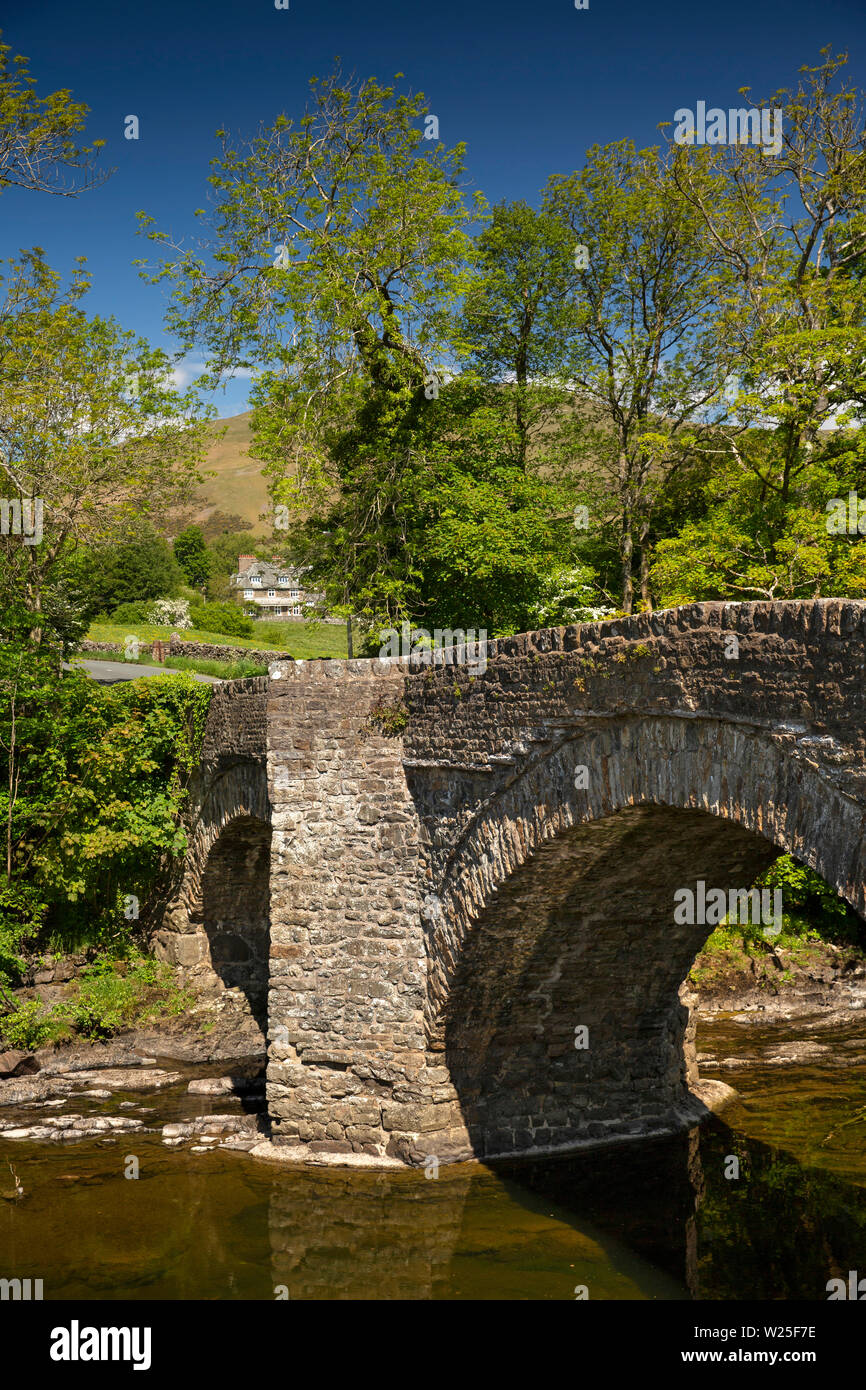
{"x":348,"y":1064}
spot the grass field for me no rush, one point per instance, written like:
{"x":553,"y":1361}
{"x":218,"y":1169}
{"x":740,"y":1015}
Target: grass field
{"x":304,"y":640}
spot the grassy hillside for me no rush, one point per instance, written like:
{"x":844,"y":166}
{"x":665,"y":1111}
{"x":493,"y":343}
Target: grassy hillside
{"x":238,"y":487}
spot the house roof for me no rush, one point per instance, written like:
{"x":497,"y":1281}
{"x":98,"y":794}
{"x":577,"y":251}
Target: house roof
{"x":269,"y":572}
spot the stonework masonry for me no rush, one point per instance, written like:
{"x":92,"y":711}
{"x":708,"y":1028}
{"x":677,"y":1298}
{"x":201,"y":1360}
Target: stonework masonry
{"x":209,"y":651}
{"x":467,"y":932}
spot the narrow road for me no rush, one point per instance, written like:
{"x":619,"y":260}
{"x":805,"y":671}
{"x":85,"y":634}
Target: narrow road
{"x":110,"y":672}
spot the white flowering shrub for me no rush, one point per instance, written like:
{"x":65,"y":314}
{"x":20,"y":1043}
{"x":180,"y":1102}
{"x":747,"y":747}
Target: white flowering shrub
{"x":569,"y":596}
{"x":170,"y":612}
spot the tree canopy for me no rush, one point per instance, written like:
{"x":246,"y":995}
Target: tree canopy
{"x":38,"y":148}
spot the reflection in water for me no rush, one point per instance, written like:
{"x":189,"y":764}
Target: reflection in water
{"x":796,"y":1216}
{"x":470,"y":1233}
{"x":341,"y":1234}
{"x":648,"y":1220}
{"x":779,"y":1230}
{"x":645,"y":1193}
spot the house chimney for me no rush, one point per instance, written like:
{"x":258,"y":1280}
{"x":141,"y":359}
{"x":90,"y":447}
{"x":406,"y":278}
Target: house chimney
{"x":244,"y":562}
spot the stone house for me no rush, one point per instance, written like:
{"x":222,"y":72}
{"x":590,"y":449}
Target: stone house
{"x":272,"y":589}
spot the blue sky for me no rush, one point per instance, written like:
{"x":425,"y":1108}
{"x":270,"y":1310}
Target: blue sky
{"x":529,"y":85}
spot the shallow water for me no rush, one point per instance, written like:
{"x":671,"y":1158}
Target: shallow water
{"x":649,"y":1220}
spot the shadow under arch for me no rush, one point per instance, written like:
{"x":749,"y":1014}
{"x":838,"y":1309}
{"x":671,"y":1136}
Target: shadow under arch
{"x":235,"y":902}
{"x":555,"y":911}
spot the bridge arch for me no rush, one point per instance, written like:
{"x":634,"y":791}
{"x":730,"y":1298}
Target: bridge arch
{"x":218,"y":927}
{"x":235,"y":909}
{"x":554,"y":912}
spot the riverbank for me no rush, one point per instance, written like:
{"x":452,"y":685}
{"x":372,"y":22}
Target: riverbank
{"x":213,"y":1055}
{"x":782,"y":982}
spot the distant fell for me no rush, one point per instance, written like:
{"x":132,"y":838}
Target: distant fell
{"x":238,"y":488}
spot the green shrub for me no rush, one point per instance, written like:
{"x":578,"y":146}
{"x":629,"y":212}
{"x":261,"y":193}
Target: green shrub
{"x":223,"y":618}
{"x":131,"y":612}
{"x":114,"y":995}
{"x":812,"y":908}
{"x":102,"y":774}
{"x":22,"y":913}
{"x":30,"y":1026}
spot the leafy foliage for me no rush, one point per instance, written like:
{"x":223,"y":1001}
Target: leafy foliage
{"x":222,"y":617}
{"x":113,"y":994}
{"x":37,"y":134}
{"x":811,"y":906}
{"x":96,"y":779}
{"x":191,"y":553}
{"x":129,"y":572}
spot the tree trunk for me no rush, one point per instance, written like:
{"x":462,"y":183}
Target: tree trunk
{"x":626,"y":549}
{"x":522,"y":376}
{"x":645,"y":591}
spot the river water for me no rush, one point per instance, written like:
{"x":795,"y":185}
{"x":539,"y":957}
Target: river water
{"x":767,"y":1202}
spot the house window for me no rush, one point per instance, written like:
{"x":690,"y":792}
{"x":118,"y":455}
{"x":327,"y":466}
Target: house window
{"x":294,"y":593}
{"x":297,"y":609}
{"x":248,"y":593}
{"x":272,"y":593}
{"x":256,"y":581}
{"x":283,"y":580}
{"x":278,"y":609}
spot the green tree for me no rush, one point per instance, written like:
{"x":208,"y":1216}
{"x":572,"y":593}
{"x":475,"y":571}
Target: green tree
{"x":791,"y":233}
{"x":37,"y":144}
{"x":518,"y":318}
{"x":141,"y":568}
{"x":644,"y":359}
{"x":94,"y":780}
{"x":224,"y":551}
{"x":464,"y":538}
{"x":93,"y":437}
{"x":753,"y":543}
{"x":191,"y":553}
{"x":339,"y":254}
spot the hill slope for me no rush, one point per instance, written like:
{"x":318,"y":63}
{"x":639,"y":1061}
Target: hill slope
{"x":238,"y":487}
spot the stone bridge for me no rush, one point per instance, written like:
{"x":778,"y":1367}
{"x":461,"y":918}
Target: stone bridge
{"x":449,"y":892}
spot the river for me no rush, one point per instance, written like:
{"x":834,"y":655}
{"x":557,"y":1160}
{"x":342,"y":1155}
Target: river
{"x":767,"y":1201}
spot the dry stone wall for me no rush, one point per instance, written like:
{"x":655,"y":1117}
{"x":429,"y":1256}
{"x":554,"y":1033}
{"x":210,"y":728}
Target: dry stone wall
{"x":210,"y":651}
